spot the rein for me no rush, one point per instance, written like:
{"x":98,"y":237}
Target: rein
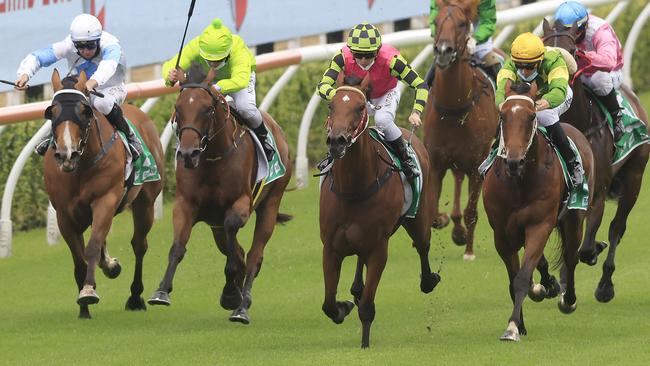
{"x":363,"y":121}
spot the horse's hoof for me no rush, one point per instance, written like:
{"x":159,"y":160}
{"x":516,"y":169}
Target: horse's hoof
{"x":135,"y":303}
{"x":604,"y":293}
{"x":344,"y":308}
{"x":87,"y":296}
{"x":240,"y":316}
{"x":469,"y":257}
{"x":566,"y":308}
{"x":537,"y":292}
{"x":591,"y":257}
{"x":511,"y":334}
{"x":552,"y":288}
{"x":113,"y":269}
{"x":441,"y":221}
{"x":231,"y":301}
{"x":459,"y":235}
{"x":160,"y":298}
{"x":428,"y":282}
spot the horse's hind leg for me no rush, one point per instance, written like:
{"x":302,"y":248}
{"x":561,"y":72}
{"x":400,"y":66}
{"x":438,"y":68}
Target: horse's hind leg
{"x":75,"y":243}
{"x":471,"y":214}
{"x":548,"y":286}
{"x":335,"y":310}
{"x":590,"y":248}
{"x":142,"y":208}
{"x":376,"y":264}
{"x":439,"y":219}
{"x":420,"y":232}
{"x":459,"y":233}
{"x":266,"y":213}
{"x":630,"y":185}
{"x":184,"y":216}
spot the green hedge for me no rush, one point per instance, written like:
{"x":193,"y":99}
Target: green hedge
{"x":30,"y":200}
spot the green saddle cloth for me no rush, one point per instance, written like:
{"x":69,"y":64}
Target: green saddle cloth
{"x":145,"y":167}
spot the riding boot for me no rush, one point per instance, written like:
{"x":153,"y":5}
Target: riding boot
{"x":614,"y":108}
{"x":560,"y":140}
{"x":42,"y":146}
{"x":262,"y":135}
{"x":431,"y":73}
{"x":116,"y":118}
{"x":497,"y":138}
{"x":492,"y":65}
{"x":409,"y":167}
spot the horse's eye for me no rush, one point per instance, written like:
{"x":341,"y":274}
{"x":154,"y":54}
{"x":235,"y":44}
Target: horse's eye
{"x":462,"y":25}
{"x":532,"y":117}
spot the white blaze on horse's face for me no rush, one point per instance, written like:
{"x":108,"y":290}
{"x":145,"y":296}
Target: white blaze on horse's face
{"x":67,"y":140}
{"x":191,"y":100}
{"x":346,"y":98}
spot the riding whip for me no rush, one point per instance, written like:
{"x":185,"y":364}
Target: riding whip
{"x":189,"y":15}
{"x":9,"y":82}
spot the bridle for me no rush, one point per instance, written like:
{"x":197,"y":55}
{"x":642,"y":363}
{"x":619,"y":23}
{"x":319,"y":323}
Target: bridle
{"x":71,"y":97}
{"x":363,"y":121}
{"x":502,"y":151}
{"x":462,"y":45}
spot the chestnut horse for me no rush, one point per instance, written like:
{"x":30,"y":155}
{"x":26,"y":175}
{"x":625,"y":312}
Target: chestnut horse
{"x":361,"y":201}
{"x":621,"y":181}
{"x":460,"y":119}
{"x":523,"y":194}
{"x":214,"y":184}
{"x":84,"y":179}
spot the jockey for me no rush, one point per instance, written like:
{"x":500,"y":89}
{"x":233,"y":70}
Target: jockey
{"x":99,"y":54}
{"x":529,"y":62}
{"x":234,"y":63}
{"x":479,"y":45}
{"x":364,"y":54}
{"x":604,"y":57}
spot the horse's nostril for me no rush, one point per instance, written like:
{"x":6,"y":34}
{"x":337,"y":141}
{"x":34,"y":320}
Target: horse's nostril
{"x":75,"y":155}
{"x":341,"y":140}
{"x":195,"y":153}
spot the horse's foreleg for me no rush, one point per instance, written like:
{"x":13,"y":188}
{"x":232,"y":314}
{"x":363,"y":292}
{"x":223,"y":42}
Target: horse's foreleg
{"x":439,"y":219}
{"x":590,"y":248}
{"x":103,"y":210}
{"x":75,"y":241}
{"x":184,"y":217}
{"x":510,"y":258}
{"x":570,"y":234}
{"x":459,"y":233}
{"x":376,"y":263}
{"x":142,"y":209}
{"x":471,"y":214}
{"x":420,"y":232}
{"x":357,"y":283}
{"x":630,"y":185}
{"x":335,"y":310}
{"x":235,"y":269}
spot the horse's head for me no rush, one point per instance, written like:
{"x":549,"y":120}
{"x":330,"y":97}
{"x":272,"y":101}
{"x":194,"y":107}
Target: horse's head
{"x":453,"y":29}
{"x":348,"y":114}
{"x":71,"y":115}
{"x":201,"y":113}
{"x":563,"y":37}
{"x":518,"y":126}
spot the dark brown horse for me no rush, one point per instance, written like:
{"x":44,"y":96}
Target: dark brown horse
{"x":361,"y":207}
{"x":215,"y":178}
{"x":84,"y":179}
{"x":522,"y":194}
{"x":621,"y":182}
{"x":460,"y":119}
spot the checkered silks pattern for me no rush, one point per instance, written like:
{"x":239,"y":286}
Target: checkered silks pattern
{"x":364,"y":37}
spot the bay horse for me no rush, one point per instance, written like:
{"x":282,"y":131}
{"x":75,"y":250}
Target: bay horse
{"x":621,"y":182}
{"x":214,"y":184}
{"x":522,"y":193}
{"x":361,"y":201}
{"x":84,"y":179}
{"x":460,"y":119}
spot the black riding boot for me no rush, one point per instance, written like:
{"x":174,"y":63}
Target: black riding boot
{"x":611,"y":103}
{"x":560,"y":140}
{"x":116,"y":118}
{"x":409,"y":167}
{"x":492,"y":71}
{"x":431,"y":73}
{"x":262,"y":135}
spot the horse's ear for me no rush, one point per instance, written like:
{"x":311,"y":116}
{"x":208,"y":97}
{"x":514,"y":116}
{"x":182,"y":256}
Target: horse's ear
{"x":81,"y":81}
{"x":340,"y":78}
{"x":209,"y":77}
{"x":574,"y":28}
{"x":56,"y":81}
{"x":547,"y":27}
{"x":533,"y":89}
{"x":181,"y":75}
{"x":365,"y":82}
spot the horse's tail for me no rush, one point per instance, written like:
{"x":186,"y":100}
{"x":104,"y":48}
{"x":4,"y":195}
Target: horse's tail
{"x":282,"y":218}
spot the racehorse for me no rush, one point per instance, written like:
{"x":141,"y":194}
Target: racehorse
{"x":621,"y":181}
{"x":84,"y":179}
{"x":460,"y":119}
{"x":215,"y":183}
{"x":523,"y":193}
{"x":361,"y":202}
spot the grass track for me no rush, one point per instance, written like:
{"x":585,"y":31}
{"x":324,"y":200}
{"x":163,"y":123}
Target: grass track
{"x":459,"y":323}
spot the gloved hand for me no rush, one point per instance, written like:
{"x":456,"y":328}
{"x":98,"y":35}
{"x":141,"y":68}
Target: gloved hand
{"x":21,"y":82}
{"x":471,"y":45}
{"x":414,"y":119}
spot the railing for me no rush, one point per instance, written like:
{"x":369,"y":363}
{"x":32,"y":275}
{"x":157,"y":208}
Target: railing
{"x":292,"y":58}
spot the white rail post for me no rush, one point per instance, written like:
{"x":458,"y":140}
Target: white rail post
{"x":302,"y":163}
{"x":278,"y":86}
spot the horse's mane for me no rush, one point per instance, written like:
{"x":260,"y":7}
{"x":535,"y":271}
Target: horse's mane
{"x":471,"y":5}
{"x":520,"y":88}
{"x":195,"y":74}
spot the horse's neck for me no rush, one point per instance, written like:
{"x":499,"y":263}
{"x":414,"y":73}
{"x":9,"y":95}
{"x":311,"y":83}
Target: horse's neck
{"x":453,"y":87}
{"x":224,"y":140}
{"x":99,"y":136}
{"x":358,"y":168}
{"x":580,"y":112}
